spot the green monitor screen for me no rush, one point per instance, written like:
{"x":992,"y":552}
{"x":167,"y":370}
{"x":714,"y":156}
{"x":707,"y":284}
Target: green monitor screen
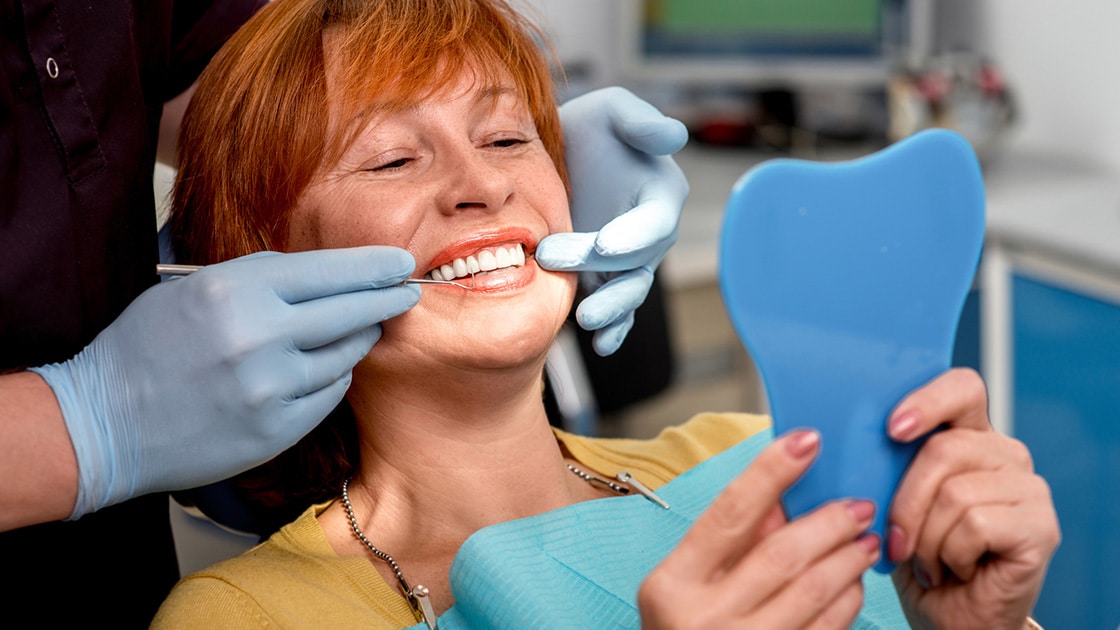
{"x":763,"y":40}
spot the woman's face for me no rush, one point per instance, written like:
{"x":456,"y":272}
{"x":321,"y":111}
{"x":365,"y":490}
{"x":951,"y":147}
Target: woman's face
{"x":459,"y":180}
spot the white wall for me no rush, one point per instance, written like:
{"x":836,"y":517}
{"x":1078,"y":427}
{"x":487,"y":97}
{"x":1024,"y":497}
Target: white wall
{"x":583,"y":33}
{"x":1062,"y":58}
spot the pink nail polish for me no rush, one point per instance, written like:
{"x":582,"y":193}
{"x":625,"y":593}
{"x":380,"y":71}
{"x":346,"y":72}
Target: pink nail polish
{"x":896,"y":544}
{"x":903,"y":425}
{"x":861,"y":511}
{"x":870,"y":544}
{"x":802,"y":443}
{"x":922,"y":575}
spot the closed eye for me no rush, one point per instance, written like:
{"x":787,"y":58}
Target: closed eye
{"x":390,"y":166}
{"x":508,"y":142}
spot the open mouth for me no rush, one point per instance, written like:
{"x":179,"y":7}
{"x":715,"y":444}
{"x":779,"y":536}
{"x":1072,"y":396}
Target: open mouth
{"x":482,"y":261}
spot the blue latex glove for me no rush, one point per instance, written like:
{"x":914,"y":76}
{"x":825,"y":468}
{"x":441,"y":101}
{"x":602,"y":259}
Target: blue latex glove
{"x":627,"y":195}
{"x":206,"y":376}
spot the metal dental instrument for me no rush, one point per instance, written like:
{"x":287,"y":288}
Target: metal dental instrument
{"x":185,"y":270}
{"x":451,"y":282}
{"x":176,"y":270}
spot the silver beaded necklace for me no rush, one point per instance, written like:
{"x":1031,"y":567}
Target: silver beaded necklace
{"x":418,"y":596}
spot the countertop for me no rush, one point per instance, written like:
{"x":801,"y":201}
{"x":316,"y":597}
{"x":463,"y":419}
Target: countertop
{"x":1035,"y":203}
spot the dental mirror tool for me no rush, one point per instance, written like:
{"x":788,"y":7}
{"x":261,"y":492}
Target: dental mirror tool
{"x":185,"y":270}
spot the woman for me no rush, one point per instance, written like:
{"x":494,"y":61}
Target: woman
{"x":431,"y":127}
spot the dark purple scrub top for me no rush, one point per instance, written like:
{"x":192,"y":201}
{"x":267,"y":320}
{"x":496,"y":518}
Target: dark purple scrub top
{"x":82,"y":87}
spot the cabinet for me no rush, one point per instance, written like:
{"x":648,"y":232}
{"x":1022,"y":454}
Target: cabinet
{"x":1066,"y":405}
{"x":1050,"y":337}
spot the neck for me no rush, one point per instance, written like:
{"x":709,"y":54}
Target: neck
{"x":438,"y":467}
{"x":485,"y":447}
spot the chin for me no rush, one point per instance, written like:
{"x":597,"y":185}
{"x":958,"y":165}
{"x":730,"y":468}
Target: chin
{"x":511,"y":349}
{"x":491,"y":334}
{"x":498,"y":338}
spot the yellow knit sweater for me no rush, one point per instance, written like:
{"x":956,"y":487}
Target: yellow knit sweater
{"x":296,"y":580}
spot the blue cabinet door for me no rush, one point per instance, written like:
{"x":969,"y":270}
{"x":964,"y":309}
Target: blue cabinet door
{"x":1066,"y":408}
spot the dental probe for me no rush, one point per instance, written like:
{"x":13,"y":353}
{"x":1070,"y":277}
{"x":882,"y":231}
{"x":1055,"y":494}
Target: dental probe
{"x":185,"y":270}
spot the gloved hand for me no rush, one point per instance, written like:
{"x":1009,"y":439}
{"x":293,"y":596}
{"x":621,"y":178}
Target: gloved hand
{"x":206,"y":376}
{"x":627,"y":195}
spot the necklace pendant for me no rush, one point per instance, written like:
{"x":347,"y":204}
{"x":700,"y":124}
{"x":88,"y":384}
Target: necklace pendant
{"x":640,"y":488}
{"x":419,"y":597}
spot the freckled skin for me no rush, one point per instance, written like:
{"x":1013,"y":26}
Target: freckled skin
{"x":456,"y":173}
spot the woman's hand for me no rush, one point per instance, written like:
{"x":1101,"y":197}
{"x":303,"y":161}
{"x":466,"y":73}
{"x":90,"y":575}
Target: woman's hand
{"x":972,"y":526}
{"x":743,"y":565}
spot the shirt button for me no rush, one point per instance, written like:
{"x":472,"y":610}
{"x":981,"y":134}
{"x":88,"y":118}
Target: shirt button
{"x":52,"y":68}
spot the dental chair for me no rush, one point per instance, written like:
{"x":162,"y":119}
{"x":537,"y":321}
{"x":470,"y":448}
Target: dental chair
{"x":582,"y":387}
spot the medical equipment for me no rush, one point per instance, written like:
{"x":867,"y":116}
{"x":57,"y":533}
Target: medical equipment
{"x":845,"y":282}
{"x":184,"y":270}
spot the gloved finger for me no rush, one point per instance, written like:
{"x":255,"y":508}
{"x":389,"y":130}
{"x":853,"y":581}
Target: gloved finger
{"x":271,"y":379}
{"x":641,"y":125}
{"x":303,"y":414}
{"x":647,"y":230}
{"x":566,"y":251}
{"x":301,"y":276}
{"x":615,"y":299}
{"x":640,"y":236}
{"x":327,"y":364}
{"x":608,"y":340}
{"x":580,"y":251}
{"x":329,"y":373}
{"x":319,"y":322}
{"x":653,"y":221}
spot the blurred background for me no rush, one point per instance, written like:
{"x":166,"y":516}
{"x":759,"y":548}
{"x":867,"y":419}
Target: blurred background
{"x":1033,"y":86}
{"x":1031,"y":83}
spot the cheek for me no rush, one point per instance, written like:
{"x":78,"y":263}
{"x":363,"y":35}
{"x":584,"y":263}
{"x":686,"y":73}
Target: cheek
{"x":303,"y":230}
{"x":555,"y":208}
{"x":563,"y":220}
{"x":349,"y":220}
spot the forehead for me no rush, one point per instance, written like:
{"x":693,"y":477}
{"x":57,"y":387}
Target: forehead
{"x":359,"y":80}
{"x":357,"y":97}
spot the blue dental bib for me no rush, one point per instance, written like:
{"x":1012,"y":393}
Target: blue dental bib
{"x":580,"y":567}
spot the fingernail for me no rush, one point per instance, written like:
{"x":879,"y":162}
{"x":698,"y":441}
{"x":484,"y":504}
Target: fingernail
{"x":922,"y":575}
{"x":903,"y":425}
{"x":802,"y":443}
{"x":896,"y":544}
{"x":862,"y":511}
{"x":870,"y":544}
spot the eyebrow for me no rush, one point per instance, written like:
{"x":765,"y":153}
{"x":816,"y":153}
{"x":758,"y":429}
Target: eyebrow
{"x":487,"y":95}
{"x":494,"y":92}
{"x":491,"y":93}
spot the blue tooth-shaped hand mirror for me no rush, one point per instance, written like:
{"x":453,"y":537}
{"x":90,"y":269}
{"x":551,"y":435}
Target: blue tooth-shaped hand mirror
{"x":845,"y":282}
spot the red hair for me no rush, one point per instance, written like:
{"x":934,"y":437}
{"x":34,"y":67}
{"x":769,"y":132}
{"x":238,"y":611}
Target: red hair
{"x":257,"y":129}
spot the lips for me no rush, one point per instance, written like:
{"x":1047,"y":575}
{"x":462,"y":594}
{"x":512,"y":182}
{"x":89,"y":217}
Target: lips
{"x":484,"y":252}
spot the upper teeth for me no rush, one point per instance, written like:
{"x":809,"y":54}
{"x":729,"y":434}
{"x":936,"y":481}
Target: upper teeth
{"x":485,"y":260}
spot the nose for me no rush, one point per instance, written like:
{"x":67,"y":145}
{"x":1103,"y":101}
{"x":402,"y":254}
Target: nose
{"x":475,"y":181}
